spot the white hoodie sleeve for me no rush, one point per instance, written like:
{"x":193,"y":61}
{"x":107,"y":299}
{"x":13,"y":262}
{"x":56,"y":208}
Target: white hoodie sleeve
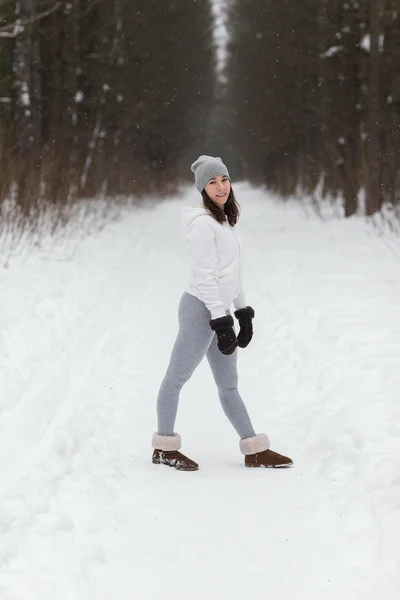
{"x":200,"y":239}
{"x":239,"y":300}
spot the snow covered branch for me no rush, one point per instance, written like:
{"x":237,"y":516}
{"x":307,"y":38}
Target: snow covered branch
{"x":13,"y":29}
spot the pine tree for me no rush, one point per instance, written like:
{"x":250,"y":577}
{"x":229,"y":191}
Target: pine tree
{"x":119,"y":94}
{"x":313,"y":95}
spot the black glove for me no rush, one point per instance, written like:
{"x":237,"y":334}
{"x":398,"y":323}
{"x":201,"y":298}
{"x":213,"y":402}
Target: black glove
{"x":223,"y":327}
{"x":245,"y":316}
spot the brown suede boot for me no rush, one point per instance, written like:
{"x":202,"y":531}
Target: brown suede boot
{"x":175,"y":459}
{"x":268,"y":458}
{"x":258,"y":454}
{"x":166,"y":452}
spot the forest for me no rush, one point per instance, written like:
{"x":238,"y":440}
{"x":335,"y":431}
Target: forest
{"x":116,"y":97}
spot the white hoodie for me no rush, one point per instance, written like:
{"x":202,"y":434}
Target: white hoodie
{"x":215,"y":256}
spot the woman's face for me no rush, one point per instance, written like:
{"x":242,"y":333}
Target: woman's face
{"x":218,"y":189}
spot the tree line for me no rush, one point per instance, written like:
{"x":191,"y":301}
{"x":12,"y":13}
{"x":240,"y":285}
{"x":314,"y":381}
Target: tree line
{"x":117,"y":96}
{"x":101,"y":96}
{"x":314,"y":91}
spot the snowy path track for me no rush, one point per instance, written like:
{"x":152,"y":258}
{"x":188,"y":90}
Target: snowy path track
{"x":43,"y":404}
{"x":84,"y":513}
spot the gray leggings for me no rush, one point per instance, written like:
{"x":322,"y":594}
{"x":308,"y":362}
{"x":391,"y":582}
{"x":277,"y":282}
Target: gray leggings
{"x":196,"y":340}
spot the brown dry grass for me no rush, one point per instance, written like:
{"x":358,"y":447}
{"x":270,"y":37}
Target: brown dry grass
{"x":35,"y":211}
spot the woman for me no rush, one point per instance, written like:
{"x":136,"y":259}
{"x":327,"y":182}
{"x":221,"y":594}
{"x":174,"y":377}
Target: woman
{"x":206,"y":327}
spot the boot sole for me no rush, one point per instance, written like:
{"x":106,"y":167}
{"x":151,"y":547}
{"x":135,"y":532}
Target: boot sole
{"x":269,"y":466}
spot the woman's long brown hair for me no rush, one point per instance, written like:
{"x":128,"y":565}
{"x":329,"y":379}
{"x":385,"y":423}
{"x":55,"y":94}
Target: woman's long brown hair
{"x":230,"y":212}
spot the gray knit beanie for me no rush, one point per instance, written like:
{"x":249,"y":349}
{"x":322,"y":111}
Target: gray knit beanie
{"x":207,"y":167}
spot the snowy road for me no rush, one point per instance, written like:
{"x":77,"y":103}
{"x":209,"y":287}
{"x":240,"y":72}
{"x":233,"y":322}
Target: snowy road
{"x":86,"y":516}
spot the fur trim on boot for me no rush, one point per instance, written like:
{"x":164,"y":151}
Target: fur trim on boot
{"x":255,"y":444}
{"x":169,"y":443}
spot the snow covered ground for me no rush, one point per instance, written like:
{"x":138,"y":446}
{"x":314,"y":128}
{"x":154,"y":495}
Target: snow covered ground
{"x":85,"y":337}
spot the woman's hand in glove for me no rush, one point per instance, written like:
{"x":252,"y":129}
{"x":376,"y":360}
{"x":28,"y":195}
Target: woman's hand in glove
{"x":245,"y":317}
{"x":223,"y":327}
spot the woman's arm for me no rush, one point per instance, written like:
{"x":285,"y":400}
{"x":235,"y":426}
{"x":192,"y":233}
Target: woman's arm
{"x":240,"y":301}
{"x":200,"y":239}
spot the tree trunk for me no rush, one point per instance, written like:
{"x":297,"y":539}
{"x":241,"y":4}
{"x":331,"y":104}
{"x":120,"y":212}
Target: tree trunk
{"x":27,"y":101}
{"x":373,"y":181}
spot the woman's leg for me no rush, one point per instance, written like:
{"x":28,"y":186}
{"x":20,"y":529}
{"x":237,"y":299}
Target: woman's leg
{"x":224,"y":369}
{"x":194,"y":338}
